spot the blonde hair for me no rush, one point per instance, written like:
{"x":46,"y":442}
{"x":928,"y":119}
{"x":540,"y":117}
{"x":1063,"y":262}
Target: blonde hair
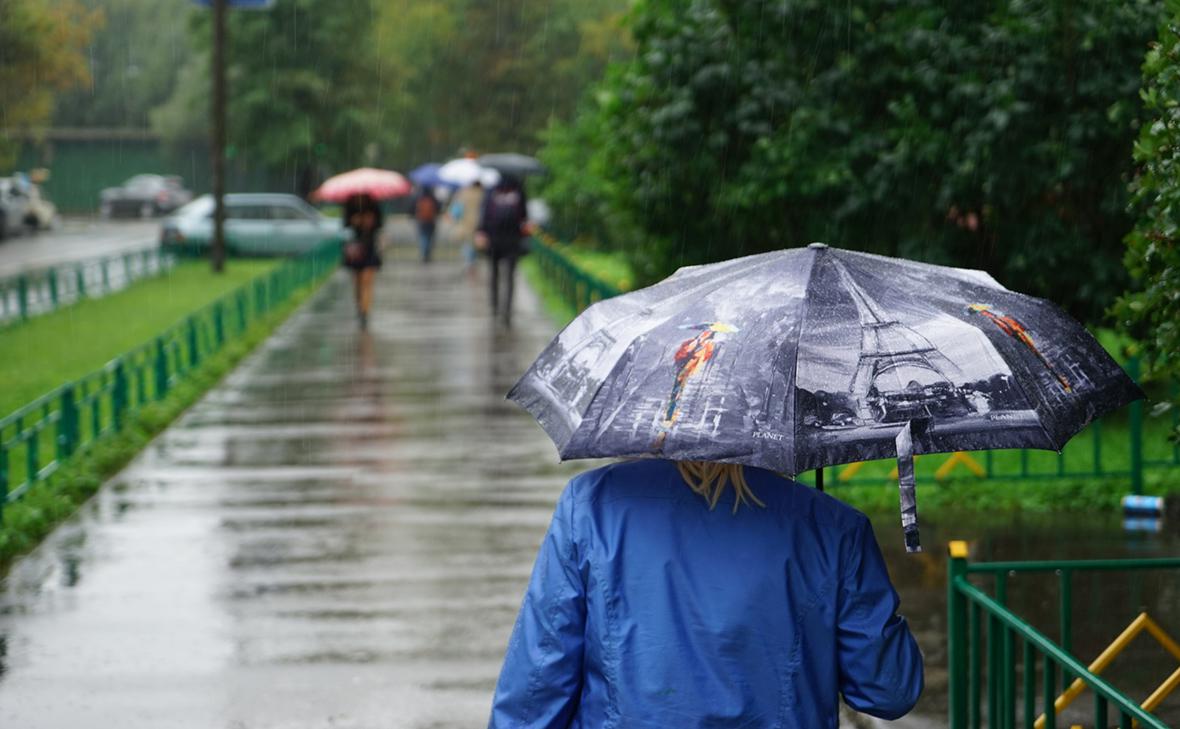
{"x":709,"y":479}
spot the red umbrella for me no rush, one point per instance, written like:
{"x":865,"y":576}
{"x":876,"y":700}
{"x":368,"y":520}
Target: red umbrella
{"x":381,"y":184}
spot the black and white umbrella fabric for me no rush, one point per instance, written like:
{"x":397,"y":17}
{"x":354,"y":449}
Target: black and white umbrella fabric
{"x":810,"y":357}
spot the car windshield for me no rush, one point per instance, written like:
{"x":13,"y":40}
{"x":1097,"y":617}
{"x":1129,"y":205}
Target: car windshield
{"x":144,"y":181}
{"x":197,"y":208}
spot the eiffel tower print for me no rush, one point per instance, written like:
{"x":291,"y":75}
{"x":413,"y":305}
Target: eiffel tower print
{"x":887,"y":346}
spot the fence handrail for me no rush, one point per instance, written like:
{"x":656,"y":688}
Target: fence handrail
{"x":969,"y":608}
{"x":111,"y":364}
{"x":1075,"y":565}
{"x":48,"y":431}
{"x":1050,"y":649}
{"x":42,"y":290}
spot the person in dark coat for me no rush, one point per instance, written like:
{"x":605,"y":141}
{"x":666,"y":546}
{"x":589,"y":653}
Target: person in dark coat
{"x":503,"y":226}
{"x":362,"y":215}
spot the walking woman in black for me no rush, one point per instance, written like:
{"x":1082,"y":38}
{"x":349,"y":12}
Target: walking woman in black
{"x":363,"y":216}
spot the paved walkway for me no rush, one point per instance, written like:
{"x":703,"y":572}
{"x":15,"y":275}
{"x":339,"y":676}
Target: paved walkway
{"x":337,"y":536}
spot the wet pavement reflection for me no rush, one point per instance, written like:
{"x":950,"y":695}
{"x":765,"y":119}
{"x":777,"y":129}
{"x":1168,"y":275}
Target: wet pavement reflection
{"x":339,"y":535}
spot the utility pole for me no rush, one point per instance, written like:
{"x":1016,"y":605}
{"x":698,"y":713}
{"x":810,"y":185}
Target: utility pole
{"x":217,"y":250}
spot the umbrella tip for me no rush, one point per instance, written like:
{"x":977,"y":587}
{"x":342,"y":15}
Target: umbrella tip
{"x":818,"y":245}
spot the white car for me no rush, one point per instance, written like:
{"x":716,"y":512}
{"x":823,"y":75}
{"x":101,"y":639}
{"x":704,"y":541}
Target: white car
{"x":15,"y":217}
{"x":256,"y":224}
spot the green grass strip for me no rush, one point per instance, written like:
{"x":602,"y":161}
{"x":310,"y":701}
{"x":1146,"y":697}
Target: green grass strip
{"x":67,"y":344}
{"x":31,"y":518}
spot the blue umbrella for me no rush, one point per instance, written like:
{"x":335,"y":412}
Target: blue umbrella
{"x":804,"y":358}
{"x":427,"y":176}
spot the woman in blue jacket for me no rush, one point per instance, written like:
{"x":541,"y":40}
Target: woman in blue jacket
{"x":650,"y":608}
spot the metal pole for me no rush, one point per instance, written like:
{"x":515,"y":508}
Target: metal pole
{"x":957,"y":635}
{"x":217,"y":250}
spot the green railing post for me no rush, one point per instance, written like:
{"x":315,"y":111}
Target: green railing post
{"x":67,"y":424}
{"x":53,"y":294}
{"x":1065,"y":616}
{"x":3,"y":480}
{"x":218,"y":325}
{"x":80,"y":280}
{"x":240,"y":305}
{"x":106,"y":275}
{"x":161,"y":368}
{"x":1136,"y":416}
{"x":957,"y":634}
{"x":194,"y":354}
{"x":119,"y":395}
{"x":22,"y":295}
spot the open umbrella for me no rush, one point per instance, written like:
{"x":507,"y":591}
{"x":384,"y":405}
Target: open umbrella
{"x":427,"y":175}
{"x":460,"y":172}
{"x":809,"y":357}
{"x":511,"y":163}
{"x":380,"y":184}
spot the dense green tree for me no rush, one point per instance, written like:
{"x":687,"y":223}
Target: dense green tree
{"x":302,"y":93}
{"x":992,"y":134}
{"x":487,"y":75}
{"x":1151,"y":312}
{"x":41,"y":48}
{"x":134,"y":61}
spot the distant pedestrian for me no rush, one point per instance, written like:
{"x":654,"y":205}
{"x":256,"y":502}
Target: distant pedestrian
{"x":503,"y":226}
{"x":465,"y":211}
{"x":363,"y":217}
{"x":426,"y":209}
{"x":649,"y":608}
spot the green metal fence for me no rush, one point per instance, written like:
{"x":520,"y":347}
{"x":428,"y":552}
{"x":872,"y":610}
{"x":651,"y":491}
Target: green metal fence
{"x":39,"y":437}
{"x":982,"y":639}
{"x":578,"y":288}
{"x":1121,"y":447}
{"x":33,"y":293}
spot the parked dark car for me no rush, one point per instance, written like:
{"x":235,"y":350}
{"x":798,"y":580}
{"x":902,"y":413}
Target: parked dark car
{"x":145,"y":196}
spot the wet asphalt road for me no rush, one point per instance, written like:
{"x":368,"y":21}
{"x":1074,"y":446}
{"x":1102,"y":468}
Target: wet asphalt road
{"x":77,"y":239}
{"x":337,"y":536}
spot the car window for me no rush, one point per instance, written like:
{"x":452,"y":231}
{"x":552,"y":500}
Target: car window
{"x":143,"y":181}
{"x":247,"y":212}
{"x":288,"y":212}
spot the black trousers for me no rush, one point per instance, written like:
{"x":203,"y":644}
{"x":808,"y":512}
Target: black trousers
{"x":505,"y":263}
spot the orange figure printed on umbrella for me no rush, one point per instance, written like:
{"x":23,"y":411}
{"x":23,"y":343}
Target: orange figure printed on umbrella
{"x":1013,"y":328}
{"x":690,"y":357}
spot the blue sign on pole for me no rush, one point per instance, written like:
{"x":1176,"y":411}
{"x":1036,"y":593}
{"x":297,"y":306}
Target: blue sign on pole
{"x":242,"y":4}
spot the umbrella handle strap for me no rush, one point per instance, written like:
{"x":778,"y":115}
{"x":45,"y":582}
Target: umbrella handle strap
{"x":905,"y":488}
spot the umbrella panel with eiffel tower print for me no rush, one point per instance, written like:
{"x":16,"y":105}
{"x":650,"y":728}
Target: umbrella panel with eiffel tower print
{"x":810,"y":357}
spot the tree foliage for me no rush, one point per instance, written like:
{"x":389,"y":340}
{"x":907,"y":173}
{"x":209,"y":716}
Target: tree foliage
{"x":134,"y":61}
{"x":1151,"y":311}
{"x":991,"y":134}
{"x":41,"y":54}
{"x":490,"y":76}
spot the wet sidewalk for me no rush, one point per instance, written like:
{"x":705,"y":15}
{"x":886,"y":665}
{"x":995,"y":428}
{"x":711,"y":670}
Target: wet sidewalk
{"x":336,"y":536}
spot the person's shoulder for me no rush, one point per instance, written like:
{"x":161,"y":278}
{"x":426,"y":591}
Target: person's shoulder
{"x":790,"y":496}
{"x":593,"y":484}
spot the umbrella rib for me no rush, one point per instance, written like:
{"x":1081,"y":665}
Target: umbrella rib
{"x":795,"y":364}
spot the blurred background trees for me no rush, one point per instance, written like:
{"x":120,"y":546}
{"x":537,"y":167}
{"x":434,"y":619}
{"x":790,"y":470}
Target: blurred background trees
{"x":994,"y":135}
{"x":42,"y":53}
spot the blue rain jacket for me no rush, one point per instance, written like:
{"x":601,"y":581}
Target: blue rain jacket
{"x":646,"y":609}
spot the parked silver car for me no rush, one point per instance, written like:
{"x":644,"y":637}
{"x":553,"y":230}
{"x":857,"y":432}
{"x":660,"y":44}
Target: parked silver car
{"x":14,"y":208}
{"x":145,"y":196}
{"x":256,"y":224}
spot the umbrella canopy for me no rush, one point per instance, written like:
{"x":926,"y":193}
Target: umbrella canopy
{"x":427,"y":175}
{"x":510,"y":163}
{"x":460,"y":172}
{"x":380,"y":184}
{"x":809,"y":357}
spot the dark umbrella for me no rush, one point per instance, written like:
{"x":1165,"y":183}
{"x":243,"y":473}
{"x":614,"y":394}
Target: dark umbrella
{"x":510,"y":163}
{"x":810,"y":357}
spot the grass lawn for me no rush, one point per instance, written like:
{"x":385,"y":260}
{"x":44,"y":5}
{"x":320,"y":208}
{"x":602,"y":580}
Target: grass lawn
{"x":50,"y":350}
